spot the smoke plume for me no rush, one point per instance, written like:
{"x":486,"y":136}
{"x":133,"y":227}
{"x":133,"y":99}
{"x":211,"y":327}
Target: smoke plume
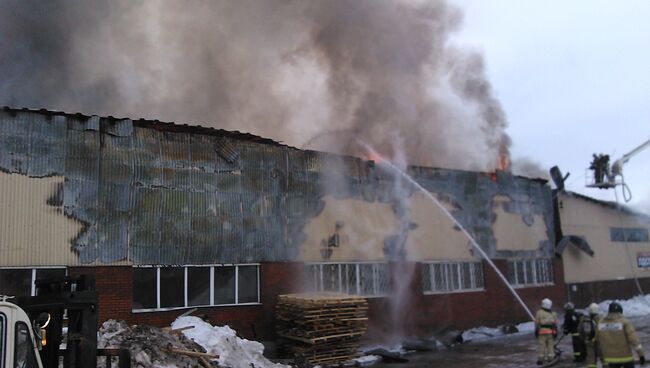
{"x":528,"y":167}
{"x":311,"y":74}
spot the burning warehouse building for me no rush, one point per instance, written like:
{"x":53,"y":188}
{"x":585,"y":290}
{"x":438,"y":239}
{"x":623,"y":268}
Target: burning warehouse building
{"x":170,"y":217}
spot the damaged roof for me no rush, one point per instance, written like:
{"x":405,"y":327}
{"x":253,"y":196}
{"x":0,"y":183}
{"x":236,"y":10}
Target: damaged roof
{"x":159,"y":125}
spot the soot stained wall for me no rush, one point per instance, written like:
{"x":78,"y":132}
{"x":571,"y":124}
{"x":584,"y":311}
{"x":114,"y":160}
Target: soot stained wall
{"x":157,"y":193}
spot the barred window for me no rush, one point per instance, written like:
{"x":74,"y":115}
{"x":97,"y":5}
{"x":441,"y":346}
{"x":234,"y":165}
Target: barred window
{"x":444,"y":277}
{"x":156,"y":288}
{"x":622,"y":234}
{"x":366,"y":279}
{"x":530,"y":272}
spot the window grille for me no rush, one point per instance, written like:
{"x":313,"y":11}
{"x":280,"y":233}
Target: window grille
{"x":537,"y":271}
{"x":366,"y":279}
{"x":442,"y":277}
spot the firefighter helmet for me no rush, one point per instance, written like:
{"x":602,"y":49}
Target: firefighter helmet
{"x":615,"y":307}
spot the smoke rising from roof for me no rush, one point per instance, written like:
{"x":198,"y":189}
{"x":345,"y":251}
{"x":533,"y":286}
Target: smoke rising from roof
{"x":311,"y":74}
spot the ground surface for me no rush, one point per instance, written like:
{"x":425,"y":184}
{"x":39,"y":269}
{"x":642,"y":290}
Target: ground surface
{"x":510,"y":351}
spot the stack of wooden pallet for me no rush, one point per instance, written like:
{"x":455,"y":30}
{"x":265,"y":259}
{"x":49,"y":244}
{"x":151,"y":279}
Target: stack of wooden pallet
{"x":321,"y":328}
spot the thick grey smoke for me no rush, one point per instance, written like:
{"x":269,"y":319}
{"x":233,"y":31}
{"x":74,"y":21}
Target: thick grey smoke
{"x":311,"y":74}
{"x":528,"y":167}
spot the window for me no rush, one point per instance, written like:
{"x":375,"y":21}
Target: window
{"x":530,"y":272}
{"x":198,"y":285}
{"x":24,"y":356}
{"x":145,"y":281}
{"x":224,"y":285}
{"x":172,"y":287}
{"x":366,"y":279}
{"x":157,"y":288}
{"x":444,"y":277}
{"x":21,"y":281}
{"x":618,"y":234}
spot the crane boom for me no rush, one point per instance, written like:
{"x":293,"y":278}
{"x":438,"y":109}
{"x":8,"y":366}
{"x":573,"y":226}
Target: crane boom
{"x":617,"y":166}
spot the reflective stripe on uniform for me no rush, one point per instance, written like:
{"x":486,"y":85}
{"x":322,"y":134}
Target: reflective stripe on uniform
{"x":545,"y":331}
{"x":611,"y":326}
{"x":619,"y":360}
{"x":575,"y":334}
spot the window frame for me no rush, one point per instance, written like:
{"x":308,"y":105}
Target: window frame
{"x":446,"y":266}
{"x":626,"y":235}
{"x":30,"y":341}
{"x":211,"y":287}
{"x":317,"y":285}
{"x":526,"y":263}
{"x":33,"y":273}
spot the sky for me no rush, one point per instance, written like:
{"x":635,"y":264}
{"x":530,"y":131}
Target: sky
{"x":573,"y":78}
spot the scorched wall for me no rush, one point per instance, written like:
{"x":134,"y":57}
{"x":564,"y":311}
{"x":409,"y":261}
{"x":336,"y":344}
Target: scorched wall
{"x":115,"y":197}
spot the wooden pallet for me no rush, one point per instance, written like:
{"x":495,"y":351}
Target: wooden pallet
{"x":321,"y":328}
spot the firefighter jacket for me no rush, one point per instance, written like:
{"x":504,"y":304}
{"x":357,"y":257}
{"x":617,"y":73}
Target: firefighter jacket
{"x":546,"y":322}
{"x":615,"y":335}
{"x":587,"y":327}
{"x":571,"y":322}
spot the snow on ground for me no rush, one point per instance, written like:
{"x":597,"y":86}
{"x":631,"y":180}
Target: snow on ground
{"x":635,"y":307}
{"x":367,"y":359}
{"x":482,"y":333}
{"x":234,"y":352}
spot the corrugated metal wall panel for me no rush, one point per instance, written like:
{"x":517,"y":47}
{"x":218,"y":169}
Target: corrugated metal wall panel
{"x":89,"y":190}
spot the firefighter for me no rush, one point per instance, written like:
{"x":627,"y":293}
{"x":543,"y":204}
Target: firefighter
{"x":545,"y":330}
{"x":615,"y":335}
{"x":570,"y":327}
{"x":587,"y":330}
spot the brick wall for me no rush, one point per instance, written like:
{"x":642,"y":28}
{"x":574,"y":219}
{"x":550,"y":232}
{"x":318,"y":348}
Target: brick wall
{"x":425,"y":315}
{"x":114,"y":287}
{"x":419,"y":314}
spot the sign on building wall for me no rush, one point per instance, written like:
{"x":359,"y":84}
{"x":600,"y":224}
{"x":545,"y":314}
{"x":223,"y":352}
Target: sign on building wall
{"x":643,"y":259}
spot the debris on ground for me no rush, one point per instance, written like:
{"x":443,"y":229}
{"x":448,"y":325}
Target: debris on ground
{"x":151,"y":346}
{"x":189,"y":342}
{"x":482,"y":333}
{"x":388,"y":356}
{"x":232,"y":351}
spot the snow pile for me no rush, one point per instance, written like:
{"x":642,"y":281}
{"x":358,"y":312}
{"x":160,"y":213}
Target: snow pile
{"x":367,"y":360}
{"x":483,"y":333}
{"x":526,"y":327}
{"x":234,"y":352}
{"x":635,"y":307}
{"x":148,"y":345}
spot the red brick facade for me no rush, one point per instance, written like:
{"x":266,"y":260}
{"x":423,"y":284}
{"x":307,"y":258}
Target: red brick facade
{"x":427,"y":314}
{"x":421,"y":314}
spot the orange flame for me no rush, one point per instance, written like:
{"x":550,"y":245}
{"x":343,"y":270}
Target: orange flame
{"x":503,"y":162}
{"x":373,"y":156}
